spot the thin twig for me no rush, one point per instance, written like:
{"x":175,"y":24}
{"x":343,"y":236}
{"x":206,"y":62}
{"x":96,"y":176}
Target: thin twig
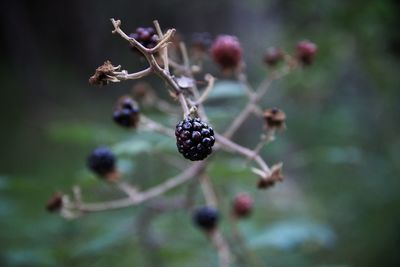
{"x":124,"y":75}
{"x":226,"y":143}
{"x":164,"y":51}
{"x":207,"y":91}
{"x":222,"y":247}
{"x":140,"y":197}
{"x":151,"y":125}
{"x":208,"y":191}
{"x":254,"y":98}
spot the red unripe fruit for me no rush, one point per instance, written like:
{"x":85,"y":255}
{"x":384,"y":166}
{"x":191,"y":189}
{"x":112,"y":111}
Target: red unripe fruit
{"x":227,"y":51}
{"x":242,"y":205}
{"x":305,"y":52}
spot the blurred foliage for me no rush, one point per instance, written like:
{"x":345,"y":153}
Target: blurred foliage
{"x":338,"y":206}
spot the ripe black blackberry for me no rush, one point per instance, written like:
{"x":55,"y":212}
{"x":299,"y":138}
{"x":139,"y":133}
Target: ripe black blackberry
{"x":194,"y":138}
{"x":145,"y":36}
{"x":102,"y":161}
{"x":206,"y":218}
{"x":127,"y":114}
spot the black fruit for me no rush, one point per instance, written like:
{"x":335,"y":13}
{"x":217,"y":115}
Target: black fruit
{"x":145,"y":36}
{"x":102,"y":161}
{"x":127,"y":114}
{"x":206,"y":218}
{"x":194,"y":138}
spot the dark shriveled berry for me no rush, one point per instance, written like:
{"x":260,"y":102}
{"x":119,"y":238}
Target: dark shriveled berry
{"x":55,"y":203}
{"x":206,"y":218}
{"x":194,"y":138}
{"x":102,"y":161}
{"x":274,"y":118}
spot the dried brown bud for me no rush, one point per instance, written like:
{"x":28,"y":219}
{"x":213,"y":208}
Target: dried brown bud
{"x":272,"y":178}
{"x":55,"y":202}
{"x":104,"y":74}
{"x":274,"y":118}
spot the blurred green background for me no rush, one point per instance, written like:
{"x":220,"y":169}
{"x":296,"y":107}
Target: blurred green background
{"x":339,"y":204}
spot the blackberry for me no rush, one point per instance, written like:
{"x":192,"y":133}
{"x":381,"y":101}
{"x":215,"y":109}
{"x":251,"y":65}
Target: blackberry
{"x":242,"y":205}
{"x":194,"y":138}
{"x":227,"y":51}
{"x":102,"y":161}
{"x":145,"y":36}
{"x":127,"y":114}
{"x":206,"y":218}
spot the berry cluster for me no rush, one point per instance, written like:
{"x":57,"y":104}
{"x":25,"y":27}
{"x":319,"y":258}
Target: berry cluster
{"x":194,"y":138}
{"x":145,"y":36}
{"x":127,"y":114}
{"x":206,"y":218}
{"x":102,"y":161}
{"x":227,"y":51}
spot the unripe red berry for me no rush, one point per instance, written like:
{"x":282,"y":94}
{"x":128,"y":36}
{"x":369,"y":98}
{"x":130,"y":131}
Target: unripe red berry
{"x":227,"y":51}
{"x":272,"y":56}
{"x":305,"y":52}
{"x":242,"y":205}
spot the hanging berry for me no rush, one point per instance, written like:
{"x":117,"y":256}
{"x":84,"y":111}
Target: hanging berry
{"x":206,"y":218}
{"x":194,"y":138}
